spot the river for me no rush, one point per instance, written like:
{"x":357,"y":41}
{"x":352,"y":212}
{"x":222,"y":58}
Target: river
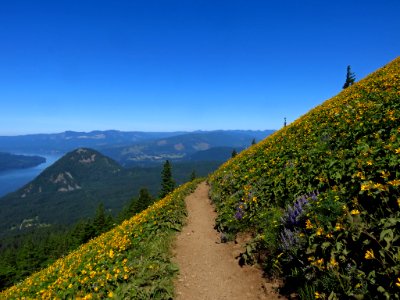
{"x":12,"y":180}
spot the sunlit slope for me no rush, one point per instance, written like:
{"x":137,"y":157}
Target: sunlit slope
{"x":338,"y":169}
{"x":131,"y":261}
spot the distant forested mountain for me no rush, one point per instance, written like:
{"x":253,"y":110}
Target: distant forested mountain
{"x":138,"y":148}
{"x":70,"y":140}
{"x":184,"y":146}
{"x":73,"y":187}
{"x":12,"y":161}
{"x":216,"y":154}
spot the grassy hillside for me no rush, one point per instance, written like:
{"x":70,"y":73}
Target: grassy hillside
{"x":131,"y":261}
{"x":322,"y":195}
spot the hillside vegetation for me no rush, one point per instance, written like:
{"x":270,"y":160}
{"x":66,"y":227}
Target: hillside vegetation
{"x":76,"y":184}
{"x":132,"y":261}
{"x":10,"y":161}
{"x":321,"y":196}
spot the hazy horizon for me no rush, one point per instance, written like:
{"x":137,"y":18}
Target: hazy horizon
{"x":155,"y":131}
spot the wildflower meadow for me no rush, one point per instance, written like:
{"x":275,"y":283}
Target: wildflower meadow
{"x":132,"y":261}
{"x":321,"y":196}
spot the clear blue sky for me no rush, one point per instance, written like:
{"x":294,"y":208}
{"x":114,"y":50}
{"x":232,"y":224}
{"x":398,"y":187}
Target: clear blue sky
{"x":182,"y":65}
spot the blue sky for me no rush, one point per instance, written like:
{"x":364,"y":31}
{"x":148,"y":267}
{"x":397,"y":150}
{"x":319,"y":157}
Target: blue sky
{"x":182,"y":65}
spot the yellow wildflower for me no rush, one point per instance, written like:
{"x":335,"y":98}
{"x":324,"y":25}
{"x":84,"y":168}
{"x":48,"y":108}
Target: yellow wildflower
{"x":308,"y":224}
{"x":329,"y":235}
{"x":395,"y":182}
{"x":319,"y":231}
{"x":355,"y":212}
{"x":369,"y":254}
{"x":397,"y":151}
{"x":385,"y":174}
{"x":360,"y":174}
{"x":111,"y":253}
{"x":398,"y":282}
{"x":317,"y":295}
{"x":369,"y":163}
{"x":379,"y":186}
{"x":108,"y":276}
{"x":338,"y":226}
{"x":333,"y":262}
{"x":110,"y":294}
{"x":365,"y":186}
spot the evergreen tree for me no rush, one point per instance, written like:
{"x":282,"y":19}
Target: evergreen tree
{"x":167,"y":182}
{"x":99,"y":221}
{"x":193,"y":175}
{"x":350,"y":78}
{"x":144,"y":201}
{"x":128,"y":211}
{"x":284,"y":122}
{"x":89,"y":231}
{"x":253,"y":142}
{"x":234,"y":153}
{"x":102,"y":222}
{"x":28,"y":259}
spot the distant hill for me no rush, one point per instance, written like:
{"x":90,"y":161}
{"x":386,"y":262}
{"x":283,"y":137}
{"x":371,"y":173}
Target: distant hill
{"x":67,"y":190}
{"x":69,"y":140}
{"x":12,"y":161}
{"x":214,"y":154}
{"x":73,"y":187}
{"x":133,"y":148}
{"x":182,"y":147}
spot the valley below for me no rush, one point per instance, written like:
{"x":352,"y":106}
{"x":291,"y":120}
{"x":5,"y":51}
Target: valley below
{"x":11,"y":180}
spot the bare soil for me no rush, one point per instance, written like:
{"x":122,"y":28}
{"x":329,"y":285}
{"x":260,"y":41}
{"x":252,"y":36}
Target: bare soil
{"x":209,"y":269}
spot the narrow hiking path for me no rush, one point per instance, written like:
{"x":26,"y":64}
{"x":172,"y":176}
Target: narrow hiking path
{"x":208,"y":268}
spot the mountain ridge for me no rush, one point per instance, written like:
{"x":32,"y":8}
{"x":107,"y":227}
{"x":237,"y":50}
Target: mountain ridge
{"x":181,"y":147}
{"x":61,"y":185}
{"x":74,"y":186}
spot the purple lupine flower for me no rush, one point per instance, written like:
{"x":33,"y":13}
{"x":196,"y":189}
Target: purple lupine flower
{"x":289,"y":239}
{"x":239,"y":211}
{"x":238,"y":215}
{"x":291,"y":219}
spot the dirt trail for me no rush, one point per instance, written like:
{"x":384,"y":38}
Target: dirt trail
{"x":208,"y":268}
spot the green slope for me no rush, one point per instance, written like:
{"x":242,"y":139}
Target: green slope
{"x":132,"y":261}
{"x":322,"y":196}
